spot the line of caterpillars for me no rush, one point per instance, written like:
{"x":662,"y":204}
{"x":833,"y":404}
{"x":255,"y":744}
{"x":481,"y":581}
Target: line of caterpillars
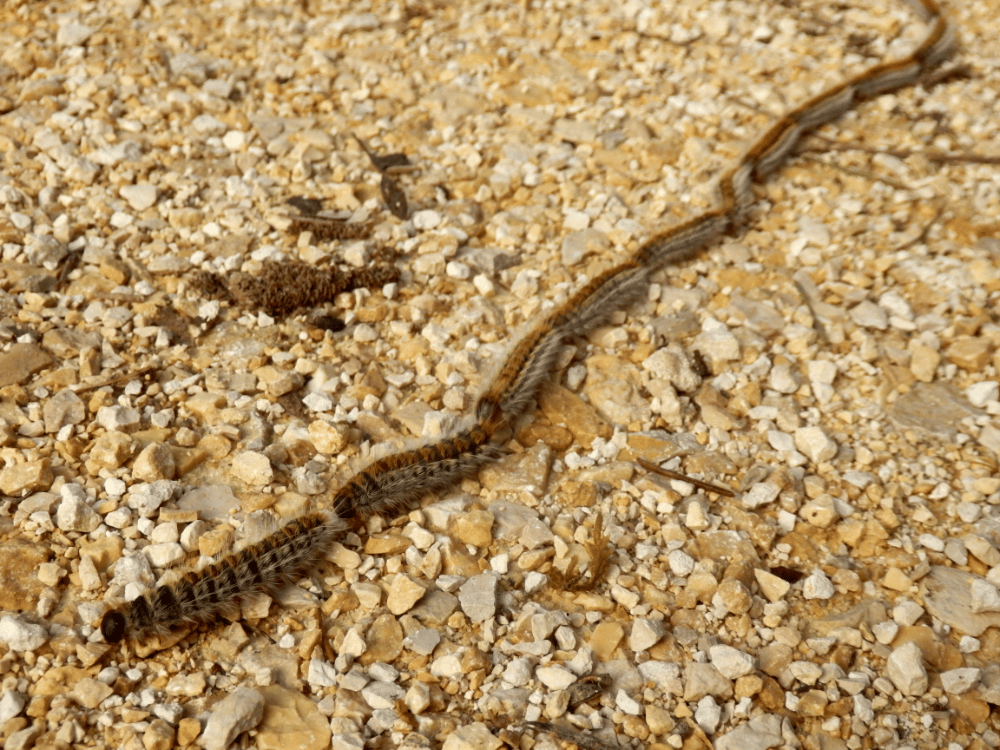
{"x":391,"y":485}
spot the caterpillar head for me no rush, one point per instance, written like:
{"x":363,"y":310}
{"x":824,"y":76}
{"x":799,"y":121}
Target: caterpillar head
{"x":113,"y":627}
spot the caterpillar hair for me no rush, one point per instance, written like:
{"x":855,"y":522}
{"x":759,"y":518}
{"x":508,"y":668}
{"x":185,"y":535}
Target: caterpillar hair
{"x":394,"y":483}
{"x":201,"y":595}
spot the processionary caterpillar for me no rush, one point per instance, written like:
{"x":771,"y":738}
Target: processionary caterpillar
{"x":201,"y":595}
{"x":391,"y":484}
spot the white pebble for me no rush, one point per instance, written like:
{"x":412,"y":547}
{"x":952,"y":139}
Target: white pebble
{"x":681,"y":563}
{"x":90,"y":579}
{"x":534,"y":582}
{"x":20,"y":635}
{"x":365,"y":334}
{"x":518,"y":672}
{"x":958,"y":681}
{"x":931,"y":542}
{"x":708,"y":714}
{"x":427,"y":219}
{"x":885,"y":631}
{"x":985,"y":597}
{"x":164,"y":555}
{"x":139,"y":197}
{"x":74,"y":512}
{"x":905,"y":667}
{"x":815,"y":444}
{"x":761,"y":493}
{"x":980,"y":394}
{"x":483,"y":285}
{"x":968,"y":645}
{"x":818,"y":586}
{"x":238,"y":712}
{"x":457,"y":270}
{"x":628,"y":704}
{"x":645,"y":634}
{"x":575,"y":220}
{"x":234,"y":140}
{"x":731,"y":662}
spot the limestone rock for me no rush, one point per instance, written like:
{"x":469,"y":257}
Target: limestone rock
{"x":478,"y":596}
{"x":905,"y":667}
{"x":21,"y":635}
{"x":291,"y":722}
{"x":238,"y":712}
{"x":29,"y":476}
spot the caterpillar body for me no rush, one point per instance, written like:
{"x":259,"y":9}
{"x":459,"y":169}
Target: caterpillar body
{"x":202,"y":595}
{"x":390,"y":485}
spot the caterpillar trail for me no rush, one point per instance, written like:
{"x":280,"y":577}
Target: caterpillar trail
{"x":390,"y":485}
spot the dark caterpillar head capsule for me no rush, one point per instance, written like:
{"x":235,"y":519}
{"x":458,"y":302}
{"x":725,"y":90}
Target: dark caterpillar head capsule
{"x":113,"y":627}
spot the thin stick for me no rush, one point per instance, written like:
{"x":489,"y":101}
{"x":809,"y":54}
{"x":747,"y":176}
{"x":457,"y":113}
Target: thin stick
{"x":670,"y":474}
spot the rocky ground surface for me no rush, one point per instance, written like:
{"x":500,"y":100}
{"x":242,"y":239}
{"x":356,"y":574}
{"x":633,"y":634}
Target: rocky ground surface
{"x":835,"y":365}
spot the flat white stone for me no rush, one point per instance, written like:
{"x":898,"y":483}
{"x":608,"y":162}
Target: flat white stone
{"x":730,"y":661}
{"x":958,"y":681}
{"x":985,"y":596}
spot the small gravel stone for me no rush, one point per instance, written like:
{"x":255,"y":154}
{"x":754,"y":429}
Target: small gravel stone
{"x":238,"y":712}
{"x":21,"y":635}
{"x":731,"y":662}
{"x":156,"y":461}
{"x":771,"y":586}
{"x":475,"y":736}
{"x":704,"y":679}
{"x":90,"y":693}
{"x":165,"y":555}
{"x":478,"y":596}
{"x":646,"y":634}
{"x":404,"y":593}
{"x":555,"y":678}
{"x":907,"y":612}
{"x":818,"y":586}
{"x":681,"y":564}
{"x":146,"y":498}
{"x":985,"y":597}
{"x":423,"y":641}
{"x":885,"y":632}
{"x":29,"y":476}
{"x":382,"y":694}
{"x":869,"y":315}
{"x":11,"y":704}
{"x":139,"y":197}
{"x":253,"y":468}
{"x":628,"y":704}
{"x":708,"y":715}
{"x":63,"y":409}
{"x":760,"y":494}
{"x":905,"y":667}
{"x":74,"y":512}
{"x":958,"y":681}
{"x":815,"y":444}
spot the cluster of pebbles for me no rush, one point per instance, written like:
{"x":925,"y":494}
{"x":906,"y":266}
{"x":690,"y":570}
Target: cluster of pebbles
{"x":835,"y":365}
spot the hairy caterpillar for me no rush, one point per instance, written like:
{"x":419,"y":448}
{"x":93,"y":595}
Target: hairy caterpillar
{"x":201,"y":595}
{"x":395,"y":482}
{"x":391,"y":484}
